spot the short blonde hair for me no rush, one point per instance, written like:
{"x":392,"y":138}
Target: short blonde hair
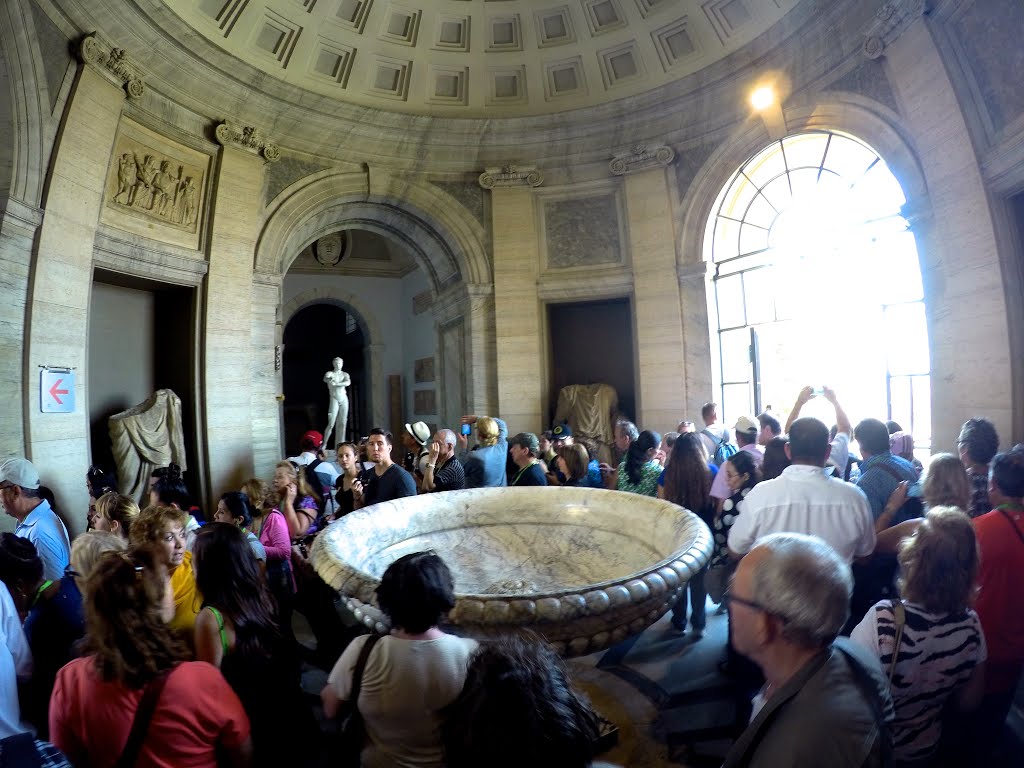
{"x":299,"y":478}
{"x":153,"y":522}
{"x":946,"y":483}
{"x":258,"y":492}
{"x":87,"y":549}
{"x":118,"y":508}
{"x":487,"y":431}
{"x":940,"y":562}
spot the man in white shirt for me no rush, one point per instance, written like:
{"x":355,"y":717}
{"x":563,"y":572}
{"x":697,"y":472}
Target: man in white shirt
{"x":839,"y":456}
{"x":15,"y":665}
{"x":37,"y":522}
{"x":804,"y":499}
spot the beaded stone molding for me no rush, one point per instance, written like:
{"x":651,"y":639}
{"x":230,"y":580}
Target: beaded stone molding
{"x":586,"y":568}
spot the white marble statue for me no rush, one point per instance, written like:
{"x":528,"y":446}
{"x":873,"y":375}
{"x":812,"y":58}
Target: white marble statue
{"x":337,"y":382}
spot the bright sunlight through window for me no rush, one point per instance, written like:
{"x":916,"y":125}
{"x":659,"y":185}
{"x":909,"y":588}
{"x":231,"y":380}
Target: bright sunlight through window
{"x":816,"y":281}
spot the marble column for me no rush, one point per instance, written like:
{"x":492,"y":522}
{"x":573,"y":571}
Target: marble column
{"x":58,"y":310}
{"x":227,"y":372}
{"x":519,"y":348}
{"x":966,"y":303}
{"x":697,"y":379}
{"x":661,"y":377}
{"x":266,"y":378}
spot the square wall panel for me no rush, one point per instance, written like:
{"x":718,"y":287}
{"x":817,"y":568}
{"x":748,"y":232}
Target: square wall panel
{"x":389,"y":78}
{"x":448,"y":85}
{"x":452,"y":33}
{"x":603,"y":16}
{"x":353,"y":13}
{"x":504,"y":33}
{"x":507,"y":85}
{"x":564,"y":78}
{"x":674,"y":43}
{"x":400,"y":25}
{"x":332,"y":61}
{"x":554,"y":27}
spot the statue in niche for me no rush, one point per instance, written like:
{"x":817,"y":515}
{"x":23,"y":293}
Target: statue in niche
{"x":145,"y":437}
{"x":145,"y":172}
{"x":337,"y":382}
{"x":126,"y":178}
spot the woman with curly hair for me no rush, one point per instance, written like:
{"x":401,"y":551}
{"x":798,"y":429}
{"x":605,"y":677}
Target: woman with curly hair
{"x":295,"y":499}
{"x":640,"y":470}
{"x":272,"y":529}
{"x":518,"y":708}
{"x":687,"y":482}
{"x":114,"y":512}
{"x":936,"y":649}
{"x":133,"y":656}
{"x":165,"y":527}
{"x":237,"y":632}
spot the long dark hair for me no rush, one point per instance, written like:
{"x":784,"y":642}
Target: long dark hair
{"x":170,"y":488}
{"x":743,"y":463}
{"x":124,"y":620}
{"x":636,"y":456}
{"x":238,"y":506}
{"x":228,"y":576}
{"x":687,"y":476}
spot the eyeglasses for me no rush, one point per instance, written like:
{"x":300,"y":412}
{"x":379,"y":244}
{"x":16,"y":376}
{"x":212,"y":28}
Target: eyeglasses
{"x":729,"y":597}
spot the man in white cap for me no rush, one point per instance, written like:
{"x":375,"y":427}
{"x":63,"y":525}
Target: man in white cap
{"x":19,"y":494}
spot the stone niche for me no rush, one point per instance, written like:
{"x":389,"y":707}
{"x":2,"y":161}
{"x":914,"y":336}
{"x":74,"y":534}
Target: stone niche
{"x":155,"y":187}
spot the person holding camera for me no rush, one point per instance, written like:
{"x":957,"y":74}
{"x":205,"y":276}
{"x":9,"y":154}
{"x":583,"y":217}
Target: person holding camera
{"x":386,"y":480}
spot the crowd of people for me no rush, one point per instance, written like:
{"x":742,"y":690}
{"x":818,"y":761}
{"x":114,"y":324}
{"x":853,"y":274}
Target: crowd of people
{"x":871,"y":602}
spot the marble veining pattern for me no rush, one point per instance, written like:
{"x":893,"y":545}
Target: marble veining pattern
{"x":585,"y":568}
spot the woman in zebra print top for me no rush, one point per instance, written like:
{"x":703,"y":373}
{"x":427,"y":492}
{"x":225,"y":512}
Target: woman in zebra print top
{"x":942,"y":650}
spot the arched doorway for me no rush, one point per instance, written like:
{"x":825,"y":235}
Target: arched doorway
{"x":816,"y":280}
{"x":313,"y":337}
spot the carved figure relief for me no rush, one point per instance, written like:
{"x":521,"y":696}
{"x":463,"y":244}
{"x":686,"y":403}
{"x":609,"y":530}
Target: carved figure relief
{"x":148,"y":182}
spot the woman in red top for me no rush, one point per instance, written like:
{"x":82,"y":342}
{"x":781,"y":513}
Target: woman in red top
{"x":96,"y":698}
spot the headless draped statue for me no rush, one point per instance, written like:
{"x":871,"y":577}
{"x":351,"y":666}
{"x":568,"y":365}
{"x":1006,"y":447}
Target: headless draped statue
{"x":337,"y":382}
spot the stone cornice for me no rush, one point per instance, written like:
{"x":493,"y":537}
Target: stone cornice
{"x":247,"y":138}
{"x":113,"y":64}
{"x":641,"y":157}
{"x":889,"y":23}
{"x":510,"y":175}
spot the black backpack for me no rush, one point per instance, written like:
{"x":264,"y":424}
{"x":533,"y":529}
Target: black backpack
{"x":309,"y":470}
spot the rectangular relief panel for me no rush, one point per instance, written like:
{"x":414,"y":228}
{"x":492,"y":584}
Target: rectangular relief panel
{"x":156,"y":187}
{"x":453,"y":372}
{"x":583,"y":231}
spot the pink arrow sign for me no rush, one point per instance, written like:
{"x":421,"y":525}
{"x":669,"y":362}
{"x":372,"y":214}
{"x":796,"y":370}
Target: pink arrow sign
{"x":54,"y":392}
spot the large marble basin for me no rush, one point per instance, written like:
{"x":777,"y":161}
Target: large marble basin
{"x":584,"y":567}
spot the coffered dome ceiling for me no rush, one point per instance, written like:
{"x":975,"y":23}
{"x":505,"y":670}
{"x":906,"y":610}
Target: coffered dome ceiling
{"x":477,"y":58}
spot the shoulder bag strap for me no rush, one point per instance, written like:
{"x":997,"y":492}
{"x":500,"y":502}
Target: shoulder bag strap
{"x":867,"y":688}
{"x":900,"y":614}
{"x":1013,"y":525}
{"x":140,"y":724}
{"x":357,"y":673}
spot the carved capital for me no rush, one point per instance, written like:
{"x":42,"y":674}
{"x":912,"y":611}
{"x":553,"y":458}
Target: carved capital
{"x":511,"y":176}
{"x":889,"y":23}
{"x":248,"y":138}
{"x":113,"y":64}
{"x":641,"y":157}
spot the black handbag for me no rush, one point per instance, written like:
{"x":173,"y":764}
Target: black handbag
{"x":351,"y":729}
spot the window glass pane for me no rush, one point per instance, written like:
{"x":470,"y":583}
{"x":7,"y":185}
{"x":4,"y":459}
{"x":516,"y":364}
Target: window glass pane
{"x":753,"y":239}
{"x":759,"y":290}
{"x":766,"y":166}
{"x":738,"y":198}
{"x":805,"y":151}
{"x":899,"y":400}
{"x":848,"y":158}
{"x":922,"y":387}
{"x":877,"y":194}
{"x":894,"y":256}
{"x":735,"y":355}
{"x":906,"y":339}
{"x":805,"y":184}
{"x":777,"y":193}
{"x":727,"y":234}
{"x":729,"y":294}
{"x":761,"y":212}
{"x":736,"y":401}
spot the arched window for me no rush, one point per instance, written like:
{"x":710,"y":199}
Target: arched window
{"x":816,"y":281}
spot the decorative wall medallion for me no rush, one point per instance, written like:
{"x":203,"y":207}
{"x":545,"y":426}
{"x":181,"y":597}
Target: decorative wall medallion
{"x":113,"y":64}
{"x":248,"y":138}
{"x":330,"y":249}
{"x":889,"y":23}
{"x":424,"y":401}
{"x":148,"y":181}
{"x":423,"y":370}
{"x":640,"y":158}
{"x":511,"y":176}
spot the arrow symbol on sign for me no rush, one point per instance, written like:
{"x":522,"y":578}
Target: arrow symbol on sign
{"x":54,"y":392}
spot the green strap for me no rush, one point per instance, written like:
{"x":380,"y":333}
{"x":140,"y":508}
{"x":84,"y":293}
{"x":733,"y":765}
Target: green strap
{"x":39,"y":592}
{"x":220,"y":626}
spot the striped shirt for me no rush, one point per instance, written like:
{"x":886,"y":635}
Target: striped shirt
{"x":937,"y":655}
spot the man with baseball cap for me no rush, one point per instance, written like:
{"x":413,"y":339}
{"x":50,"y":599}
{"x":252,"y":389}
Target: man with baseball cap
{"x":312,"y":456}
{"x":19,"y":494}
{"x":746,"y":438}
